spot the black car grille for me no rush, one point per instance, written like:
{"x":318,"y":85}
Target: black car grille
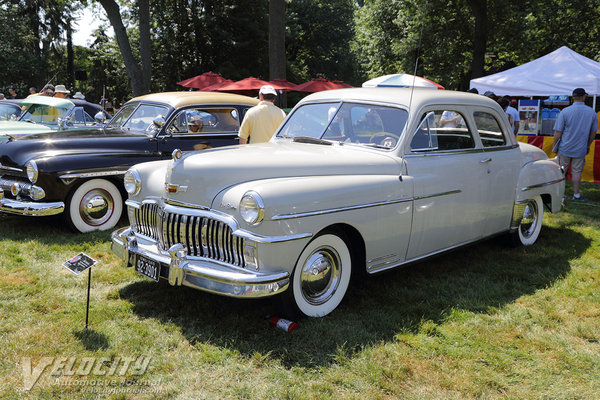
{"x":201,"y":236}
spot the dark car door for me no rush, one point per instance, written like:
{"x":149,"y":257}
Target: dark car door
{"x":201,"y":127}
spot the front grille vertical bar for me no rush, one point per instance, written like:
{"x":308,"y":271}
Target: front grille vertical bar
{"x":204,"y":237}
{"x":183,"y":219}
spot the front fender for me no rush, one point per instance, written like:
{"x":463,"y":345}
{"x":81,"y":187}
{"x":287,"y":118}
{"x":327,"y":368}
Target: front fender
{"x":544,"y":178}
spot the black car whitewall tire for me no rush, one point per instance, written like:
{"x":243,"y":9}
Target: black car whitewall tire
{"x":531,"y":224}
{"x":96,"y":204}
{"x":322,"y":275}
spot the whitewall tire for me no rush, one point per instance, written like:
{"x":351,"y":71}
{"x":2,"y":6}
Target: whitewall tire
{"x":322,"y":275}
{"x":531,"y":223}
{"x":95,"y":205}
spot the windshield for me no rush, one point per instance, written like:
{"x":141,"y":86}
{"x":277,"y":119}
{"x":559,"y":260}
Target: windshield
{"x":353,"y":123}
{"x":8,"y":111}
{"x":43,"y":114}
{"x":140,"y":118}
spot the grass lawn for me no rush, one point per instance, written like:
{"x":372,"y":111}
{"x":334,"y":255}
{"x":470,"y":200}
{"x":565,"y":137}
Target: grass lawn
{"x":485,"y":322}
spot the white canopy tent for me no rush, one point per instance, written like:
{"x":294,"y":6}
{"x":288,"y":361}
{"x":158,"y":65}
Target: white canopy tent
{"x":557,"y":73}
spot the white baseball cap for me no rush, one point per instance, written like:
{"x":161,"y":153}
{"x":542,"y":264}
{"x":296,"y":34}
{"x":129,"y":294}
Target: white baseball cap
{"x":268,"y":89}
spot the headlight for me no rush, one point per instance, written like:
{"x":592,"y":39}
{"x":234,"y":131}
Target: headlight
{"x":132,"y":182}
{"x":252,"y":208}
{"x":32,"y":171}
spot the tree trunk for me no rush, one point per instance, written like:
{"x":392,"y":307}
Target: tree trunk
{"x":479,"y":10}
{"x":277,"y":58}
{"x":133,"y":69}
{"x":70,"y":62}
{"x":276,"y":39}
{"x":145,"y":44}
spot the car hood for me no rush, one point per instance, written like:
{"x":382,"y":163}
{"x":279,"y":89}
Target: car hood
{"x":201,"y":176}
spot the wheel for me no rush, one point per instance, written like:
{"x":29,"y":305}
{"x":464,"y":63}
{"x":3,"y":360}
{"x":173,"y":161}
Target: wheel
{"x":531,"y":224}
{"x":385,"y":139}
{"x":95,"y":205}
{"x":321,"y":275}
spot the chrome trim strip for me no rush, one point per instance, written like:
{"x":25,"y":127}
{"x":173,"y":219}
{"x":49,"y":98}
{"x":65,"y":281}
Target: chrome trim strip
{"x":188,"y":205}
{"x":280,"y":217}
{"x":438,"y":194}
{"x":91,"y":174}
{"x":269,"y":239}
{"x":500,"y":148}
{"x":381,"y":258}
{"x":17,"y":207}
{"x":538,"y":185}
{"x":4,"y":167}
{"x":439,"y":153}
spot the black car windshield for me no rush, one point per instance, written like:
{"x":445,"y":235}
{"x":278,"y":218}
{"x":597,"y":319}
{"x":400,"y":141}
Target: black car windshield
{"x":134,"y":118}
{"x":352,"y":123}
{"x":41,"y":113}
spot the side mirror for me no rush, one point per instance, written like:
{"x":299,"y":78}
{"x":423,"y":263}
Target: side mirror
{"x":62,"y":123}
{"x":100,"y":118}
{"x":159,"y":121}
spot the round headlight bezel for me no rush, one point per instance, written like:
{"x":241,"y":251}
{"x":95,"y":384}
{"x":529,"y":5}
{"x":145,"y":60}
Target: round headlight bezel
{"x":32,"y":171}
{"x":132,"y":182}
{"x":252,"y":208}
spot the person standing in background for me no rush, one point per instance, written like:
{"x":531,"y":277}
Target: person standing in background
{"x":515,"y":115}
{"x":574,"y":132}
{"x":262,"y":120}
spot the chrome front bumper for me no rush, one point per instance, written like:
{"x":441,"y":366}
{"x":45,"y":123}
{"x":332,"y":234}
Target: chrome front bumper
{"x":20,"y":207}
{"x":199,"y":273}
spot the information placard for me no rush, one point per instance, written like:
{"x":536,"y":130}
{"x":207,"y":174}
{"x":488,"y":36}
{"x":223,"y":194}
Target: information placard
{"x":79,"y":263}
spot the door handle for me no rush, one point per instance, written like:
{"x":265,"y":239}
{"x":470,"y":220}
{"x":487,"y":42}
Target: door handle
{"x":485,"y":160}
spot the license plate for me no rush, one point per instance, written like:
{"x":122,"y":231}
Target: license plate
{"x":146,"y":266}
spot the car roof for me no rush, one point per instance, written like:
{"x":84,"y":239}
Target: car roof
{"x":413,"y":98}
{"x":179,"y":99}
{"x":48,"y":101}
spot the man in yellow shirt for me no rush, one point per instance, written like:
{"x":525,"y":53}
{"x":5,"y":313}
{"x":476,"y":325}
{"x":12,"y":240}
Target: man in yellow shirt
{"x":262,"y":120}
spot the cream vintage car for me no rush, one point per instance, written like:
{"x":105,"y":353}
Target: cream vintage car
{"x":355,"y":182}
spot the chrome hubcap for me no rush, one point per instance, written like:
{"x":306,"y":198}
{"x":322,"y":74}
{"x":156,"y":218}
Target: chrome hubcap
{"x":96,"y":207}
{"x":320,"y":276}
{"x":530,"y":217}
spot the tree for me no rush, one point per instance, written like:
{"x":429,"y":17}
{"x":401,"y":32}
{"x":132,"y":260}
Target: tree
{"x":139,"y":73}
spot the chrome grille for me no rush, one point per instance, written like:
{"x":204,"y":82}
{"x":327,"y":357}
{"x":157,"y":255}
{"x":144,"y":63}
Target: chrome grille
{"x":201,"y":236}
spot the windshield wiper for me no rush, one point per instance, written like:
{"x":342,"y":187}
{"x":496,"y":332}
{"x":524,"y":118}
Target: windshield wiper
{"x":312,"y":140}
{"x":375,"y":145}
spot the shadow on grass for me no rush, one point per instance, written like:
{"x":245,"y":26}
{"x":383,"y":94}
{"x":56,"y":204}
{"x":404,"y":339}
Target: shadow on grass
{"x":48,"y":230}
{"x":92,"y":340}
{"x":475,"y":279}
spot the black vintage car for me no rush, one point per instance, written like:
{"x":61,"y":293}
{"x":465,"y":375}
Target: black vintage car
{"x":80,"y":172}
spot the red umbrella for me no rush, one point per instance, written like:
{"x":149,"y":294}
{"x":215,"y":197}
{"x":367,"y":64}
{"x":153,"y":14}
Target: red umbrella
{"x":320,"y":84}
{"x":283,"y":85}
{"x":216,"y":86}
{"x":202,"y":81}
{"x":245,"y":85}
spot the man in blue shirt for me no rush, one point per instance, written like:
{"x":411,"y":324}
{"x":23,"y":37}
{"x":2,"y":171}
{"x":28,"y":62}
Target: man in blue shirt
{"x":574,"y":131}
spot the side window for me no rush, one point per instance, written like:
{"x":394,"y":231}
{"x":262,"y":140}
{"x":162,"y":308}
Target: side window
{"x":489,"y":129}
{"x":442,"y":130}
{"x":205,"y":121}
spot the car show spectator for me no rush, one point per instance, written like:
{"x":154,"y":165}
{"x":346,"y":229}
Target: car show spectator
{"x":504,"y":103}
{"x":79,"y":95}
{"x":2,"y":96}
{"x":61,"y":91}
{"x":12,"y":93}
{"x":262,"y":120}
{"x":32,"y":90}
{"x":574,"y":131}
{"x":515,"y":115}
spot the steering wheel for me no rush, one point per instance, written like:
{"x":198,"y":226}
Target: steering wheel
{"x":385,"y":139}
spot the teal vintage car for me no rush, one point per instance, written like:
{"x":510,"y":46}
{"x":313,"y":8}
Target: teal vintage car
{"x":43,"y":114}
